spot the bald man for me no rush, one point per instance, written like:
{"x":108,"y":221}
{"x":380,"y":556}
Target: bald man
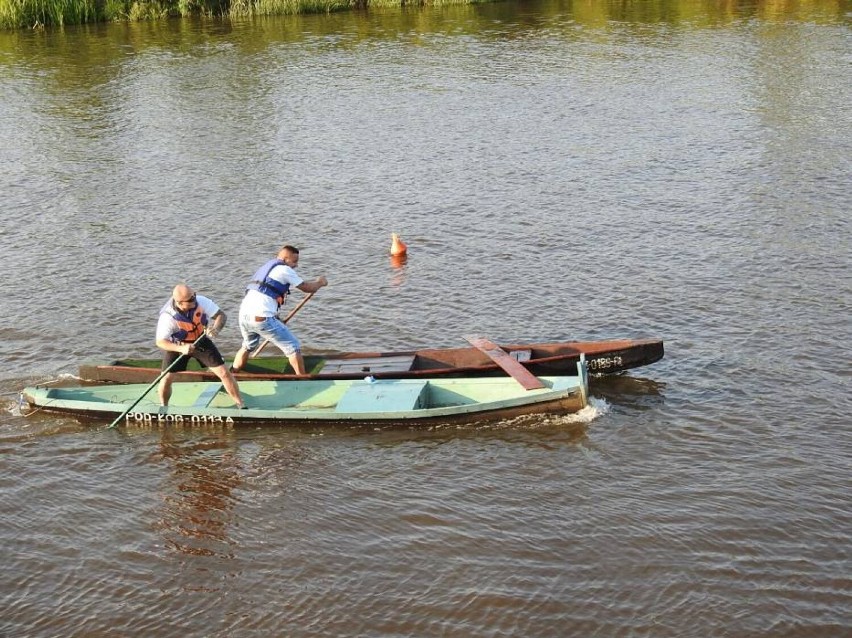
{"x":181,"y":333}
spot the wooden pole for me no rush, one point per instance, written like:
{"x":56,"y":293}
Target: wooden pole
{"x":150,"y":387}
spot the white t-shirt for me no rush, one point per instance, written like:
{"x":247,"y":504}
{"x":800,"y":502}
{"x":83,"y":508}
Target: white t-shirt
{"x":256,"y":304}
{"x":166,"y":324}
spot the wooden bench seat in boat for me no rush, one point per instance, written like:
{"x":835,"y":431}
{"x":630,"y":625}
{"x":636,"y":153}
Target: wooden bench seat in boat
{"x":382,"y":397}
{"x":396,"y":363}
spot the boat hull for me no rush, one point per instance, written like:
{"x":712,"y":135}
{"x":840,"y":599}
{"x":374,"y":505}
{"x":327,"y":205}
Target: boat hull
{"x":311,"y":402}
{"x":553,"y":359}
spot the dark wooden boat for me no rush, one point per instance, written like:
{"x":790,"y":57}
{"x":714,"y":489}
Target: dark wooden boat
{"x":551,"y":359}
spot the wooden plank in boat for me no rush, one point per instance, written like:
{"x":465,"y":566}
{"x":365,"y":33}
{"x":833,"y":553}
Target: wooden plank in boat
{"x":369,"y":365}
{"x":207,"y":396}
{"x":512,"y":366}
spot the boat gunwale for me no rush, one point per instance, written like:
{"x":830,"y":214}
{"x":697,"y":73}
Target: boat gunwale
{"x":597,"y":349}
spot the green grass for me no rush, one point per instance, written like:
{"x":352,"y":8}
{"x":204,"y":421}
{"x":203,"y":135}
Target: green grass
{"x":286,"y":7}
{"x":36,"y":13}
{"x":18,"y":14}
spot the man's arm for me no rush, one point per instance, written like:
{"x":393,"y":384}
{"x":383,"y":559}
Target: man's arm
{"x":313,"y":286}
{"x":164,"y":329}
{"x":219,"y":321}
{"x":184,"y":348}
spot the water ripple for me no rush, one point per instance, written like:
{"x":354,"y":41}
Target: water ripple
{"x":595,"y":173}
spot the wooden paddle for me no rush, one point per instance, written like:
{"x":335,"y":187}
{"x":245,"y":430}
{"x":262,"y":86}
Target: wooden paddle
{"x":151,"y":387}
{"x":502,"y":358}
{"x":285,"y":320}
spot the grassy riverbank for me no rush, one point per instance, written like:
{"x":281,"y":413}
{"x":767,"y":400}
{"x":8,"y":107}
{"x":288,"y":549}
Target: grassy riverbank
{"x":40,"y":13}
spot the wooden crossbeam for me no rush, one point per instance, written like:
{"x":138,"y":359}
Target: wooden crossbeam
{"x":502,"y":358}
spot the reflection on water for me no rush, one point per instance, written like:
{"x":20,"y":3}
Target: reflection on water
{"x":200,"y":492}
{"x":628,"y":384}
{"x":398,"y":261}
{"x":630,"y":391}
{"x":398,"y":274}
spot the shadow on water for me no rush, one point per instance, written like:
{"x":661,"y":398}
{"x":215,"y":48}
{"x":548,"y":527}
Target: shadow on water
{"x":629,"y":391}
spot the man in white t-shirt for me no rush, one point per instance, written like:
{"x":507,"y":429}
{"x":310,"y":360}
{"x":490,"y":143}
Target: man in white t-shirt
{"x":185,"y":329}
{"x":265,"y":294}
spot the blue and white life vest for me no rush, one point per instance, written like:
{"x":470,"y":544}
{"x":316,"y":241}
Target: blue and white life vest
{"x":262,"y":282}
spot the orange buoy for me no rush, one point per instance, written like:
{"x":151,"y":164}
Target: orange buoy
{"x":397,"y":247}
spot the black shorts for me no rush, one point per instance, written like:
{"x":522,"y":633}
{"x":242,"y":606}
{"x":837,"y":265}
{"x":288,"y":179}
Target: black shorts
{"x":206,"y":353}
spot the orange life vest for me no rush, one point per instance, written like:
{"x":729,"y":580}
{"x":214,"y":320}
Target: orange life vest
{"x":191,"y":325}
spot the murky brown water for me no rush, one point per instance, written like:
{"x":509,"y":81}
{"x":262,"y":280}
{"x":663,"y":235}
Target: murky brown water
{"x":558,"y":172}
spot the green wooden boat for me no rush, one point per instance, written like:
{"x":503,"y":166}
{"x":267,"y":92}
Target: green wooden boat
{"x":315,"y":401}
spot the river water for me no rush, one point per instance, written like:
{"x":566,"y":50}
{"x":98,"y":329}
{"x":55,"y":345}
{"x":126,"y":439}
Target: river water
{"x":558,"y":171}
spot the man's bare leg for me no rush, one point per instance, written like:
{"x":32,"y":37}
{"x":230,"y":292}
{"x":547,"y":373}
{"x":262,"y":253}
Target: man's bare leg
{"x":165,"y":389}
{"x":230,"y":384}
{"x":240,"y":359}
{"x":297,"y":362}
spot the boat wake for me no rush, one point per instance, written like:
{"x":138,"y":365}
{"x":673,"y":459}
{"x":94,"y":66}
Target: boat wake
{"x":595,"y":409}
